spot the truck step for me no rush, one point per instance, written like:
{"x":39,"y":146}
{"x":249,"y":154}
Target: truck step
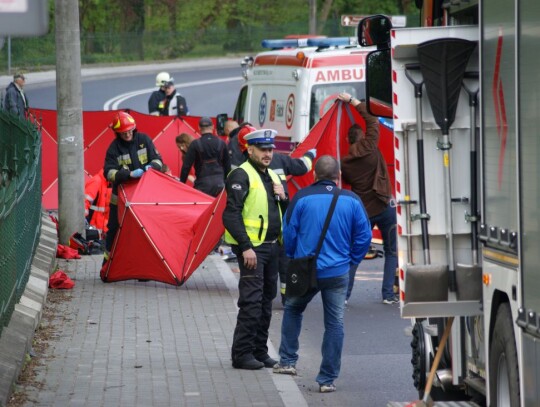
{"x":436,"y":404}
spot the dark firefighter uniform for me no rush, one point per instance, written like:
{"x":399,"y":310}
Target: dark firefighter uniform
{"x":212,"y":163}
{"x":252,"y":219}
{"x":123,"y":157}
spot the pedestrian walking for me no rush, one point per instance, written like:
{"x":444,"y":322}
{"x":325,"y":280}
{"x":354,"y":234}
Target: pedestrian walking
{"x":252,"y":218}
{"x":210,"y":157}
{"x":365,"y":170}
{"x":129,"y":155}
{"x":15,"y":100}
{"x":346,"y":241}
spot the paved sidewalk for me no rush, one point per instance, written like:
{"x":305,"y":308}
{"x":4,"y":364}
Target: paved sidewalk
{"x":151,"y":344}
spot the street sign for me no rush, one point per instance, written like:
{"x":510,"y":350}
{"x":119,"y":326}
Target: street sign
{"x":24,"y":18}
{"x":352,"y":20}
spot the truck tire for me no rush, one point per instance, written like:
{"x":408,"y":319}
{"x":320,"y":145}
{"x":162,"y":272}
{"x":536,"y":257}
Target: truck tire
{"x":503,"y":363}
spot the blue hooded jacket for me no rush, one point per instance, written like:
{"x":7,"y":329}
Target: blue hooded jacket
{"x":348,"y":237}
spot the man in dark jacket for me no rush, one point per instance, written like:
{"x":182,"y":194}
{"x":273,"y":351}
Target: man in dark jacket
{"x":210,"y":157}
{"x":166,"y":101}
{"x":365,"y":170}
{"x":15,"y":101}
{"x":255,"y":202}
{"x":129,"y":155}
{"x":345,"y":242}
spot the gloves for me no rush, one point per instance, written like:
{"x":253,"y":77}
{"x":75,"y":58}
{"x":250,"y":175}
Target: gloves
{"x":137,"y":173}
{"x":147,"y":167}
{"x":313,"y":151}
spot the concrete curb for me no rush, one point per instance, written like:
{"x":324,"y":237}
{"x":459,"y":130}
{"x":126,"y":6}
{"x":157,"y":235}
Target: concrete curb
{"x":36,"y":78}
{"x":16,"y":339}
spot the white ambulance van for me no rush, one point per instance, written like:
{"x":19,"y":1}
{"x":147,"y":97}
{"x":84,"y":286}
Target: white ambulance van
{"x":290,"y":87}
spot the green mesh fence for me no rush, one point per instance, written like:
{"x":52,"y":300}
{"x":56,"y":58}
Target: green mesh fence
{"x":20,"y":207}
{"x":34,"y":53}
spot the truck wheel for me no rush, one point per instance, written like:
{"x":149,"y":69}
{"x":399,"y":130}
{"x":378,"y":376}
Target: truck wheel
{"x":503,"y":364}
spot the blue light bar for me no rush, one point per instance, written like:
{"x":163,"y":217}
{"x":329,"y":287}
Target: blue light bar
{"x":309,"y":42}
{"x":285,"y":43}
{"x":332,"y":42}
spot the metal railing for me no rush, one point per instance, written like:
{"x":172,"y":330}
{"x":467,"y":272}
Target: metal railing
{"x":20,"y":206}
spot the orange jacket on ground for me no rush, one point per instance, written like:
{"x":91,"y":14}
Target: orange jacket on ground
{"x":97,"y":195}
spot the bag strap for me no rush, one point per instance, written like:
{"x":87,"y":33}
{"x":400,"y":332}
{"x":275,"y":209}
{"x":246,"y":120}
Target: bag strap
{"x":327,"y":221}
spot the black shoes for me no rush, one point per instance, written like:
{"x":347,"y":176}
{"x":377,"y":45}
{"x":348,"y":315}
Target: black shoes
{"x":247,"y":362}
{"x":268,"y":361}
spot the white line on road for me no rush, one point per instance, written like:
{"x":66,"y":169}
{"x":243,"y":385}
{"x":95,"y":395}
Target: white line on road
{"x":113,"y":103}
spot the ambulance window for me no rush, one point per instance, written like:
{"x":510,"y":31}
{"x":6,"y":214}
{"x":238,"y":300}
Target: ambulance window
{"x":323,"y":97}
{"x":240,"y":109}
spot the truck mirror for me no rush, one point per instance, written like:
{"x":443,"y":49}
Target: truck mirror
{"x":374,"y":30}
{"x":379,"y":83}
{"x":220,"y":123}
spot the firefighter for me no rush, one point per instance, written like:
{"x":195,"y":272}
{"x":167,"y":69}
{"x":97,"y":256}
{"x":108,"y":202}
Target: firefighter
{"x":129,"y":155}
{"x":166,"y":101}
{"x":97,"y":196}
{"x":256,"y":200}
{"x":283,"y":165}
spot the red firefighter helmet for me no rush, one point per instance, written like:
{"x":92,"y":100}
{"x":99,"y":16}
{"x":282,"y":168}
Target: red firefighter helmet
{"x":244,"y":131}
{"x":122,"y":122}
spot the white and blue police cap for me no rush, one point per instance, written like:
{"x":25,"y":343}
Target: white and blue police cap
{"x":263,"y":138}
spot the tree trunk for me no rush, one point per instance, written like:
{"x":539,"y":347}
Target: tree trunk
{"x":132,"y":27}
{"x":327,"y":6}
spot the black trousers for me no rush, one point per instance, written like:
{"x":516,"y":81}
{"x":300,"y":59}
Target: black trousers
{"x":257,"y":288}
{"x":112,"y":225}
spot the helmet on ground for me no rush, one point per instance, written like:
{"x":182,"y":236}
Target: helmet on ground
{"x":162,"y":78}
{"x":244,"y":131}
{"x":122,"y":122}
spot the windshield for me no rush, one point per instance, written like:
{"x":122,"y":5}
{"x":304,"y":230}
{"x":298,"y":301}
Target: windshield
{"x":323,"y":96}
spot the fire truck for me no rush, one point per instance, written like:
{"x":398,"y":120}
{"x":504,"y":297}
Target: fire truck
{"x":464,"y":92}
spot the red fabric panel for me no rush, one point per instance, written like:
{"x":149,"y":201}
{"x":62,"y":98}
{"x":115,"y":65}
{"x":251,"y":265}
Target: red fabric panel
{"x":163,"y":220}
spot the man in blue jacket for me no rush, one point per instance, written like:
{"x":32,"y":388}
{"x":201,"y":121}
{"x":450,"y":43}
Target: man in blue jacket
{"x":346,"y":242}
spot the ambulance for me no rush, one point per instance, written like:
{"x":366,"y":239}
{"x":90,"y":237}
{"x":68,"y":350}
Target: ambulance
{"x":289,"y":87}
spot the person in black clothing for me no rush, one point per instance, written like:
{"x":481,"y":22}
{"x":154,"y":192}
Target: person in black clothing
{"x":129,"y":155}
{"x":210,"y":157}
{"x":256,"y":200}
{"x":15,"y":101}
{"x":159,"y":95}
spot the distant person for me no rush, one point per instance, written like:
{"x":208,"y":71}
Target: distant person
{"x":159,"y":95}
{"x":346,"y":241}
{"x":231,"y":130}
{"x":15,"y":101}
{"x":129,"y":155}
{"x":183,"y":141}
{"x":364,"y":168}
{"x":166,"y":101}
{"x":252,"y":218}
{"x":210,"y":157}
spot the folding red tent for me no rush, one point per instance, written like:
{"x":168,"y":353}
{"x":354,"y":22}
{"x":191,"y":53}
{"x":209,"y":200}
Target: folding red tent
{"x":166,"y":230}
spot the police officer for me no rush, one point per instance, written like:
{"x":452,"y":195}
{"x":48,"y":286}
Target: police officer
{"x":129,"y":155}
{"x":210,"y":157}
{"x":256,"y":200}
{"x":283,"y":165}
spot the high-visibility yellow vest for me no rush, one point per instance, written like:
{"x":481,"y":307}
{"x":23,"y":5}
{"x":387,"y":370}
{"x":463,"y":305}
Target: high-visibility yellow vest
{"x":255,"y":211}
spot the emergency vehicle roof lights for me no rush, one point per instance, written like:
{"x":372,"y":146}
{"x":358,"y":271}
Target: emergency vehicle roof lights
{"x":332,"y":42}
{"x":309,"y":42}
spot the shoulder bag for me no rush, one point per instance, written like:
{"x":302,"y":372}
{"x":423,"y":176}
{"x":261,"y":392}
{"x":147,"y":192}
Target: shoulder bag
{"x":302,"y":272}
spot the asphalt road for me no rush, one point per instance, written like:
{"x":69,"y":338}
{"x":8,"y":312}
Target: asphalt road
{"x":376,"y":364}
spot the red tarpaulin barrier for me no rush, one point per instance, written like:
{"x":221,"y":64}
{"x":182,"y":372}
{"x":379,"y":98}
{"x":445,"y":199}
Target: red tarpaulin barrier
{"x":166,"y":230}
{"x":329,"y":137}
{"x":97,"y":137}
